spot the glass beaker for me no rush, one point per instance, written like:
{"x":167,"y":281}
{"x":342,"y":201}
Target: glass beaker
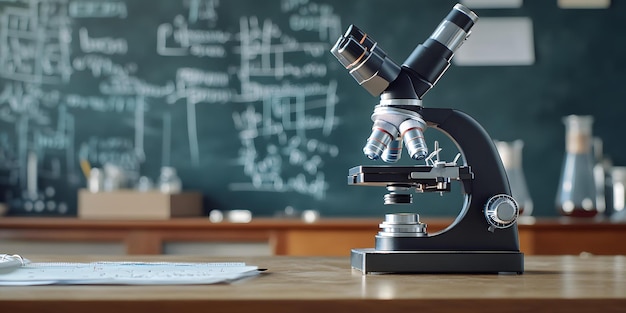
{"x":511,"y":156}
{"x":577,"y":190}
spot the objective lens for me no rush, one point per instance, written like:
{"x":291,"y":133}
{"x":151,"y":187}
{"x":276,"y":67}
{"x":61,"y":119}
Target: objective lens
{"x":383,"y":134}
{"x":393,"y":152}
{"x":412,"y":131}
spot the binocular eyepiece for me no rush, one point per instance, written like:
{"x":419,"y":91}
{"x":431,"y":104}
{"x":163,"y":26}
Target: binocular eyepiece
{"x":370,"y":66}
{"x":365,"y":60}
{"x":396,"y":119}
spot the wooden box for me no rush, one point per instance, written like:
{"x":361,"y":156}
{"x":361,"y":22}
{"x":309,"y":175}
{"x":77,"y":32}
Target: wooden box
{"x":134,"y":205}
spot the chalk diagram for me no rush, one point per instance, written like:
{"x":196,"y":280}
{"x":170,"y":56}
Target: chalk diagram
{"x":290,"y":113}
{"x":34,"y":51}
{"x":283,"y":110}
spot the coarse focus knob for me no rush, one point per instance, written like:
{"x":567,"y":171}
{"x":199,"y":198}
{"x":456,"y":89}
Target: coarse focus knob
{"x":501,"y":211}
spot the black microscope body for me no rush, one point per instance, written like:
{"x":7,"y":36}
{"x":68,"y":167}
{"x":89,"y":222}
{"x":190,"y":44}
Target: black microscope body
{"x":483,"y":238}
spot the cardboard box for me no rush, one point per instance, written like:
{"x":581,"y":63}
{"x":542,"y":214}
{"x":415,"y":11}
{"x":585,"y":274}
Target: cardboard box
{"x":132,"y":204}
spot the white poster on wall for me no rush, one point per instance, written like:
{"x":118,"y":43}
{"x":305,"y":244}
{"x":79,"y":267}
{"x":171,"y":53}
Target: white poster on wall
{"x":498,"y":41}
{"x":492,"y":4}
{"x":584,"y":4}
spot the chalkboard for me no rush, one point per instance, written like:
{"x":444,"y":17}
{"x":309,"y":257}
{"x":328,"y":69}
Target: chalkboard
{"x":244,"y":99}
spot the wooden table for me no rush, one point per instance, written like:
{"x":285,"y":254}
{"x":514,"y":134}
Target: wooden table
{"x":565,"y":284}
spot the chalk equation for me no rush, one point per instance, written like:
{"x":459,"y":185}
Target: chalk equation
{"x":72,"y":90}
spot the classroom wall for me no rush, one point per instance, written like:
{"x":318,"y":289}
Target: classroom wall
{"x":245,"y":101}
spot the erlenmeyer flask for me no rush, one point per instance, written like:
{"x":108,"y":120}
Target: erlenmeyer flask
{"x":577,"y":191}
{"x":511,"y":155}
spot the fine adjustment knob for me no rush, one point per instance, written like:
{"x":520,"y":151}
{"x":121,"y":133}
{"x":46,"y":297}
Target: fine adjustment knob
{"x":501,"y":211}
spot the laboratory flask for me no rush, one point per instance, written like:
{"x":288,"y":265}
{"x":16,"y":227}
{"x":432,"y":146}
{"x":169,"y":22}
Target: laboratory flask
{"x":576,"y":193}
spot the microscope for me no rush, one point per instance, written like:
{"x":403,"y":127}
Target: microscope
{"x":483,"y":238}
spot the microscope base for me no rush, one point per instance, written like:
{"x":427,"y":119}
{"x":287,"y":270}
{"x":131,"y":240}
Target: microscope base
{"x":376,"y":261}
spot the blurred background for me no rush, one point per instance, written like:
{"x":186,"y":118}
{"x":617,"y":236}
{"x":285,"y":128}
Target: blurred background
{"x":244,"y":101}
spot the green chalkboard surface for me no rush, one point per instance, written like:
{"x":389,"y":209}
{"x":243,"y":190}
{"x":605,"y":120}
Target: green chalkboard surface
{"x":244,"y":99}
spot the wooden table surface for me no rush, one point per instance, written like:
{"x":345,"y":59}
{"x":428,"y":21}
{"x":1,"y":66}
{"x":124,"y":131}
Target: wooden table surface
{"x":327,"y":284}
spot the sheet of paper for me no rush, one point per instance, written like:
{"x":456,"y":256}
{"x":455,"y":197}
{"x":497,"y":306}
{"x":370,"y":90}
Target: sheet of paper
{"x":125,"y":273}
{"x":498,"y":41}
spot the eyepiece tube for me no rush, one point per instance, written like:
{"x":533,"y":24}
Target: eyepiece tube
{"x":367,"y":63}
{"x":455,"y":28}
{"x":353,"y":47}
{"x":432,"y":58}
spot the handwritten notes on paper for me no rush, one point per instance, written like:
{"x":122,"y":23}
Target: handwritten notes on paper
{"x":125,"y":273}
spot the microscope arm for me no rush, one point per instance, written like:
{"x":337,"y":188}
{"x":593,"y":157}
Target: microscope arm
{"x":476,"y":147}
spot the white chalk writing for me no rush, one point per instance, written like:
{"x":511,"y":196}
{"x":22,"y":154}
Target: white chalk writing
{"x":61,"y":71}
